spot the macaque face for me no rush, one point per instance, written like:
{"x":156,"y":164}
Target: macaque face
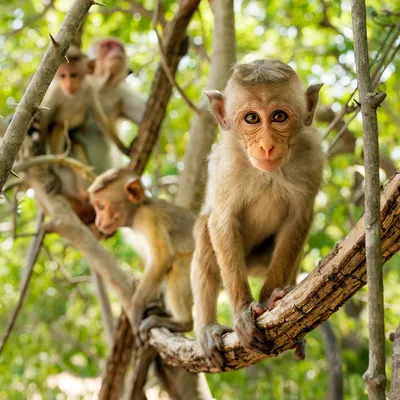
{"x":111,"y":54}
{"x":265,"y":120}
{"x":111,"y":212}
{"x":70,"y":77}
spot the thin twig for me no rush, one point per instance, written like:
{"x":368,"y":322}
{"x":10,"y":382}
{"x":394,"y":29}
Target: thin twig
{"x":375,"y":376}
{"x":57,"y":159}
{"x":25,"y":279}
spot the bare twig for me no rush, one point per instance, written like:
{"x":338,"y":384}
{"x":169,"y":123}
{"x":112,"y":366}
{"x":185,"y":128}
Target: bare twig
{"x":164,"y":62}
{"x":28,"y":106}
{"x":105,"y":307}
{"x":375,"y":376}
{"x":56,"y":159}
{"x":25,"y":279}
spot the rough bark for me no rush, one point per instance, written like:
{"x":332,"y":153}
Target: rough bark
{"x":375,"y":376}
{"x":117,"y":363}
{"x":30,"y":102}
{"x":395,"y":384}
{"x":175,"y":46}
{"x":336,"y":279}
{"x":334,"y":360}
{"x":204,"y":126}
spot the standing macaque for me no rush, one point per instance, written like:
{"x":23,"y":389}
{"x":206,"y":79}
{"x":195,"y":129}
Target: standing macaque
{"x":110,"y":70}
{"x":264,"y":175}
{"x":163,"y":238}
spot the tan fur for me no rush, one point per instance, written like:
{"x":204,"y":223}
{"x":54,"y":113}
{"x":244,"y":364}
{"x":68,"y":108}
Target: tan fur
{"x":117,"y":98}
{"x":257,"y":212}
{"x":162,"y":237}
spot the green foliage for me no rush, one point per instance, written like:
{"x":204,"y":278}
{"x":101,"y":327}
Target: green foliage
{"x":59,"y":328}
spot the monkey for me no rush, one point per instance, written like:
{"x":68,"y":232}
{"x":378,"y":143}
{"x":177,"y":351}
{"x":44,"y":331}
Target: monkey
{"x":162,"y":237}
{"x":264,"y":175}
{"x":70,"y":99}
{"x":110,"y":69}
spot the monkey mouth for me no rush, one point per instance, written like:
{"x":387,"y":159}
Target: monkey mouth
{"x":267,"y":165}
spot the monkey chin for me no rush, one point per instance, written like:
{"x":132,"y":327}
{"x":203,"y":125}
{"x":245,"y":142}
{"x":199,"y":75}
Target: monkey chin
{"x":267,"y":165}
{"x":108,"y":230}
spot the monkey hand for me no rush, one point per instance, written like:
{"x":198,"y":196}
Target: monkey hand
{"x":245,"y":327}
{"x":210,"y":341}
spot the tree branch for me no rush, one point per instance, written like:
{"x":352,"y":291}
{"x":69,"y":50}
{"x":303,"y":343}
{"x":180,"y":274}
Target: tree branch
{"x":203,"y":128}
{"x":174,"y":43}
{"x":30,"y":103}
{"x":336,"y":279}
{"x":375,"y":376}
{"x":33,"y":254}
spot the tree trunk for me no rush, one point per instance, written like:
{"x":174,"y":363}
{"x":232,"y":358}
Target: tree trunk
{"x":204,"y":126}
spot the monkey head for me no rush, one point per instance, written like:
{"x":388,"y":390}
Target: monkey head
{"x":265,"y":106}
{"x":110,"y":57}
{"x":115,"y":196}
{"x":71,"y":74}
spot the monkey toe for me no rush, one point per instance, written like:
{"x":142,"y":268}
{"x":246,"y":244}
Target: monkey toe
{"x":300,"y":349}
{"x":277,"y":295}
{"x":212,"y":345}
{"x":147,"y":324}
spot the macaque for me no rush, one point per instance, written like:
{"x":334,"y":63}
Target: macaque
{"x":71,"y":99}
{"x":162,"y":237}
{"x":109,"y":73}
{"x":264,"y":175}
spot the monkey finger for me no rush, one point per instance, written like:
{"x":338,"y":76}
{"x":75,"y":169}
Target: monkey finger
{"x":301,"y":350}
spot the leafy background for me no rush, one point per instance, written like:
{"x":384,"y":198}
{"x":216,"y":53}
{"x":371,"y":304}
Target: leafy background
{"x":59,"y":329}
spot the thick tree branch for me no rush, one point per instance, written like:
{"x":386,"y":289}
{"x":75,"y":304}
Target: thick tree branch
{"x":375,"y":376}
{"x":30,"y":103}
{"x":174,"y":47}
{"x":203,"y":128}
{"x":336,"y":279}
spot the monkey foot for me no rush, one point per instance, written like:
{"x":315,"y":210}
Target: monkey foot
{"x":300,"y":349}
{"x":249,"y":334}
{"x":211,"y":343}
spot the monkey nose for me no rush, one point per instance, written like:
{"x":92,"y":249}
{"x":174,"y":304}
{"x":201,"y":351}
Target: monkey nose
{"x":268,"y":148}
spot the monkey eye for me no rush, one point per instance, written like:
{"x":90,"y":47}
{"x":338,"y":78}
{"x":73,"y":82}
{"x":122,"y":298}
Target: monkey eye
{"x":100,"y":206}
{"x":74,"y":75}
{"x":252,"y":118}
{"x":62,"y":76}
{"x":279,"y":116}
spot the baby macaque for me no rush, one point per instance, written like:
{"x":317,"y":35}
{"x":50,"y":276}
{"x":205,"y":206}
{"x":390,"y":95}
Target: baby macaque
{"x":163,"y":237}
{"x":264,"y":175}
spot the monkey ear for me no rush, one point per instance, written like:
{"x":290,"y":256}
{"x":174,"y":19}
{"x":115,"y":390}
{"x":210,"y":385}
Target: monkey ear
{"x":312,"y":100}
{"x":134,"y":191}
{"x":217,"y":103}
{"x":91,"y":64}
